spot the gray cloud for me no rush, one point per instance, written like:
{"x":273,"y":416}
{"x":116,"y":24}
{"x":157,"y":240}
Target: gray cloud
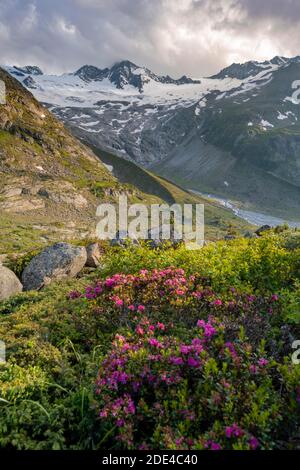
{"x":196,"y":37}
{"x":288,"y":10}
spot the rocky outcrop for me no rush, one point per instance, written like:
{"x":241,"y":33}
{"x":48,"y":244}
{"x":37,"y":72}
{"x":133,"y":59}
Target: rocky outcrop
{"x":56,"y":262}
{"x":22,"y":195}
{"x":9,"y":283}
{"x":127,"y":73}
{"x":19,"y":205}
{"x":63,"y":193}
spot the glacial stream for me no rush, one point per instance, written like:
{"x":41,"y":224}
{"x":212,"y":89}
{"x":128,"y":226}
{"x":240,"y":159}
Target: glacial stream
{"x":254,"y":218}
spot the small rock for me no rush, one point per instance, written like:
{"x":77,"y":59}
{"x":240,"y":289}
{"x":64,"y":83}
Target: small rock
{"x":9,"y":283}
{"x":155,"y":237}
{"x":26,"y":191}
{"x":43,"y":193}
{"x":55,"y":262}
{"x":93,"y":255}
{"x":12,"y":192}
{"x":2,"y":258}
{"x":263,"y":229}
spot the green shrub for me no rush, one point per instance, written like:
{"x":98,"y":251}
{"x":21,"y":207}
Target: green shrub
{"x":18,"y":263}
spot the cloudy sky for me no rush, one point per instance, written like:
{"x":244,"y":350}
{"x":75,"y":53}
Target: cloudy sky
{"x":193,"y":37}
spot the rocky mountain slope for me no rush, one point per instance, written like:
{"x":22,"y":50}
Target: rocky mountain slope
{"x":235,"y":134}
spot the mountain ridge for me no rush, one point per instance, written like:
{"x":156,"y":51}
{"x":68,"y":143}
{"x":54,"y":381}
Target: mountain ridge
{"x":91,"y":69}
{"x":125,"y":73}
{"x":119,"y":74}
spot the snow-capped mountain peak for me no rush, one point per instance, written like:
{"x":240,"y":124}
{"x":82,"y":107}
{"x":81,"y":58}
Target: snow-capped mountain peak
{"x":89,"y":73}
{"x":28,"y":70}
{"x":252,"y":68}
{"x":126,"y":73}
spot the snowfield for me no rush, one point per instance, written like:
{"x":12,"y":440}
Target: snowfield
{"x":60,"y":90}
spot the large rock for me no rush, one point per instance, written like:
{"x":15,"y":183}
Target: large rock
{"x":93,"y":255}
{"x":250,"y":235}
{"x":55,"y":262}
{"x":9,"y":283}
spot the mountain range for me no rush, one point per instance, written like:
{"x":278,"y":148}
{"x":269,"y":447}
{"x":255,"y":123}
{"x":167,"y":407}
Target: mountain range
{"x":235,"y":134}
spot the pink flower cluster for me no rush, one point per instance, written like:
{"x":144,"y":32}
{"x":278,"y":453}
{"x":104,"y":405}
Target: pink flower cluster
{"x":208,"y":328}
{"x":211,"y":445}
{"x":171,"y":288}
{"x":119,"y":409}
{"x":173,"y":330}
{"x":261,"y":364}
{"x":233,"y":431}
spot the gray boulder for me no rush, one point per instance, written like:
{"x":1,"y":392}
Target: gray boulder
{"x":9,"y":283}
{"x":93,"y":255}
{"x":55,"y":262}
{"x":263,"y":229}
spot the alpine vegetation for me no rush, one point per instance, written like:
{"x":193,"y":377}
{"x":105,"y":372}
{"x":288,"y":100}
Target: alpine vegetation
{"x":149,"y":231}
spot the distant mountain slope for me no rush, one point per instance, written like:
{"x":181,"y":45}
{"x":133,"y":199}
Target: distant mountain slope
{"x":236,"y":134}
{"x":252,"y":68}
{"x":219,"y":221}
{"x":246,"y":146}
